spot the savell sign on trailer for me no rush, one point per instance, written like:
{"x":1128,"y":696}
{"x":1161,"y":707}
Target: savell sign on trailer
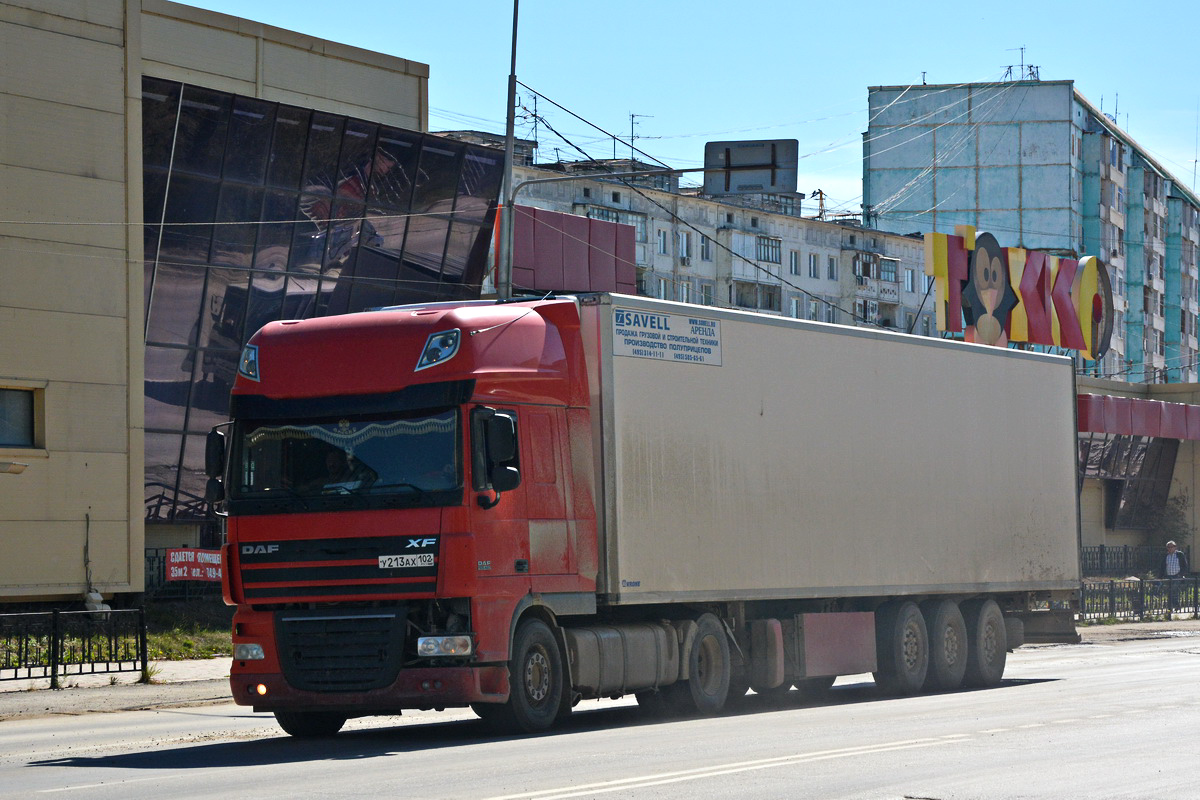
{"x":996,"y":295}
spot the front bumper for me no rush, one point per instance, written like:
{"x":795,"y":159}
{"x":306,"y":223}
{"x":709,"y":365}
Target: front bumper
{"x":427,"y":688}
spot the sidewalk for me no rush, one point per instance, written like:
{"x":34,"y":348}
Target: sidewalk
{"x":173,"y":684}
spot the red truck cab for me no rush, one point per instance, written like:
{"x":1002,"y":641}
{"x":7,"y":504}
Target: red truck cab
{"x":401,"y":485}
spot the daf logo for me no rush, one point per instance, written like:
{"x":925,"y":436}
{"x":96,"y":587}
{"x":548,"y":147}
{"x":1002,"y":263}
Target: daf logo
{"x":259,"y":549}
{"x":420,"y":543}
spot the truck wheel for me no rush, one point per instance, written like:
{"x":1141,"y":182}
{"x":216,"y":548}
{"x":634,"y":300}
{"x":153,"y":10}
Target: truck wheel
{"x":535,"y":677}
{"x":709,"y":666}
{"x":987,"y":643}
{"x":310,"y":724}
{"x":902,"y":647}
{"x":947,"y":645}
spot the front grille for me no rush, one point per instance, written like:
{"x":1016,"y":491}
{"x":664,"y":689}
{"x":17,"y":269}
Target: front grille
{"x":337,"y":568}
{"x":341,"y":652}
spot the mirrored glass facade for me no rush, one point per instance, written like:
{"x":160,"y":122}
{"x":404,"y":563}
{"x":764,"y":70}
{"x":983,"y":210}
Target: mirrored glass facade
{"x":256,"y":211}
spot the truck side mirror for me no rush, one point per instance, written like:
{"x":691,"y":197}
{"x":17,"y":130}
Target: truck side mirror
{"x":496,"y":461}
{"x":500,"y":431}
{"x":214,"y":490}
{"x":214,"y":454}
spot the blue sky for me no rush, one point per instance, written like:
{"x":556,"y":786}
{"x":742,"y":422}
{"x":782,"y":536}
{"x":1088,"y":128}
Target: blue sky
{"x":703,"y":71}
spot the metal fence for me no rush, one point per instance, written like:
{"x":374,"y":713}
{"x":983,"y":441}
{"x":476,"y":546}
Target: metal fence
{"x":1122,"y":560}
{"x":56,"y":644}
{"x":1133,"y":600}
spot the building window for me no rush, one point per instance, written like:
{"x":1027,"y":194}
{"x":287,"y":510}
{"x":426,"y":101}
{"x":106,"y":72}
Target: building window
{"x":910,"y":280}
{"x":769,"y":250}
{"x":616,"y":197}
{"x":756,"y":295}
{"x":685,"y":292}
{"x":16,"y":418}
{"x":832,"y":269}
{"x":706,"y":294}
{"x":887,"y":269}
{"x":333,"y":194}
{"x":814,"y":265}
{"x":606,"y":214}
{"x":663,"y":246}
{"x":754,"y":222}
{"x":662,"y":289}
{"x":794,"y":262}
{"x":587,"y":192}
{"x":705,"y":248}
{"x":683,"y":241}
{"x":729,"y":219}
{"x":795,"y":306}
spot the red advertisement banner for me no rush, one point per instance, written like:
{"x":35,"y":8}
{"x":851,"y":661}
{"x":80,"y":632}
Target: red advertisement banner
{"x":191,"y":564}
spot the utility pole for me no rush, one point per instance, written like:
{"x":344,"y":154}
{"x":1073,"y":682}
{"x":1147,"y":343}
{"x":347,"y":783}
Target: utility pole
{"x":632,"y":119}
{"x":504,"y":250}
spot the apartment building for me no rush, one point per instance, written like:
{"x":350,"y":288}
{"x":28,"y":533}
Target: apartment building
{"x":1039,"y":166}
{"x":757,"y":253}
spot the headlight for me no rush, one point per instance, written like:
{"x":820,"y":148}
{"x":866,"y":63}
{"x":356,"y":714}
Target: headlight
{"x":248,"y":652}
{"x":439,"y":347}
{"x":248,"y":366}
{"x":444,"y":646}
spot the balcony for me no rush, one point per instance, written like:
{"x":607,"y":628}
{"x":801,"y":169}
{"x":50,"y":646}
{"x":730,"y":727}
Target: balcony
{"x":875,"y":289}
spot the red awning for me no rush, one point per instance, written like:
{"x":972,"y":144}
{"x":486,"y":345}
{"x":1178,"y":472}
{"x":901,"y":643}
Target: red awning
{"x":1138,"y":417}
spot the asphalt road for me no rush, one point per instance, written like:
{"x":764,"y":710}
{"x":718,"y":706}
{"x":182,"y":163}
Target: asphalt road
{"x":1113,"y":717}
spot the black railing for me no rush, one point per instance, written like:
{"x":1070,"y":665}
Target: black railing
{"x":1122,"y":560}
{"x":56,"y":644}
{"x":1134,"y":600}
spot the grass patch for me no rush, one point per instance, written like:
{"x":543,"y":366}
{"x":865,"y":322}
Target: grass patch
{"x":180,"y":630}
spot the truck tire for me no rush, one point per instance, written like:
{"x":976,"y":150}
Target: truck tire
{"x":709,"y":666}
{"x":310,"y":724}
{"x":947,"y":645}
{"x":535,"y":678}
{"x":902,"y":648}
{"x":987,"y":643}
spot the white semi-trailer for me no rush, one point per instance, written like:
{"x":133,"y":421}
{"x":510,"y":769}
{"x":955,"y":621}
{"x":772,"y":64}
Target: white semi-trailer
{"x":637,"y":496}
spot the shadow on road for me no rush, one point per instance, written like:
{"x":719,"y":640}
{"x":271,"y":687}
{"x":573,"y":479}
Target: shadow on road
{"x":390,"y":741}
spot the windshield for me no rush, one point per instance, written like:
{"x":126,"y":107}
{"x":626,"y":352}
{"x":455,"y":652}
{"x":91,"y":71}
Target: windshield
{"x":317,"y":464}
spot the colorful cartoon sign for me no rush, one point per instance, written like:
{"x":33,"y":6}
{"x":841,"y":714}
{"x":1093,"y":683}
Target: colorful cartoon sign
{"x":996,"y":295}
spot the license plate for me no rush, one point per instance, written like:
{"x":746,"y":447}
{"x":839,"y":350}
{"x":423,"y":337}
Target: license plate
{"x":402,"y":562}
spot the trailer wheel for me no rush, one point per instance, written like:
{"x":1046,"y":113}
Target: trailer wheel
{"x":902,"y":647}
{"x":987,"y":643}
{"x":310,"y":724}
{"x":535,"y":677}
{"x":947,"y":645}
{"x":709,"y":666}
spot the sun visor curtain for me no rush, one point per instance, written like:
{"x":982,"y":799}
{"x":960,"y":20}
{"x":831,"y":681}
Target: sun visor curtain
{"x":412,"y":398}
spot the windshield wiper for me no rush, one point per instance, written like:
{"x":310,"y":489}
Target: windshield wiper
{"x":418,"y":494}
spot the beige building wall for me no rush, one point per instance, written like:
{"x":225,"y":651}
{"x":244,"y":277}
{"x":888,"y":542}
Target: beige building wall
{"x":71,"y":273}
{"x":70,"y":309}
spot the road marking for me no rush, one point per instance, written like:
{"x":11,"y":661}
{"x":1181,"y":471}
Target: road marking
{"x":1031,"y":725}
{"x":664,"y":778}
{"x":107,"y":784}
{"x":997,"y":730}
{"x":1101,"y":716}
